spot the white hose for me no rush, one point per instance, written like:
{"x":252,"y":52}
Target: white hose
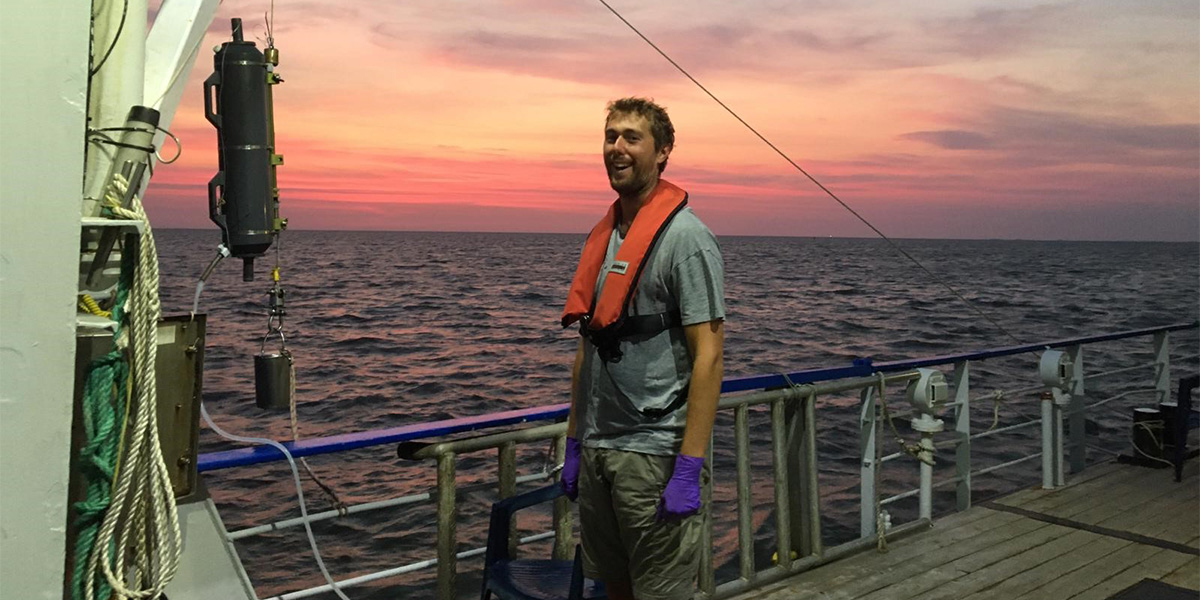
{"x":223,"y":252}
{"x":312,"y":541}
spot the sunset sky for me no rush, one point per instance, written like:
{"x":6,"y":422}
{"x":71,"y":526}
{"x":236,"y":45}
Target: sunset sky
{"x":1029,"y":120}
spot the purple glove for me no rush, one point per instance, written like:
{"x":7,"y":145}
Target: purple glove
{"x":682,"y":496}
{"x":570,"y":470}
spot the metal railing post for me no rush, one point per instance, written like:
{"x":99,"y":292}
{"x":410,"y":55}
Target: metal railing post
{"x":563,"y":549}
{"x":812,"y":487}
{"x":801,"y":467}
{"x":707,"y":579}
{"x":1057,"y":423}
{"x":783,"y":515}
{"x":925,"y":495}
{"x":447,"y":525}
{"x":741,"y":437}
{"x":1049,"y":442}
{"x":1078,"y":416}
{"x":1162,"y":366}
{"x":507,"y":484}
{"x":962,"y":427}
{"x":867,"y":433}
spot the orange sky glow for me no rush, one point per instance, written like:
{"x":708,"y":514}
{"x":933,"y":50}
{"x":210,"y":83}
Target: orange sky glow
{"x":1026,"y":120}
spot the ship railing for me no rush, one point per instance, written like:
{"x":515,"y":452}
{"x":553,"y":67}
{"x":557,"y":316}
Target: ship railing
{"x":791,"y":400}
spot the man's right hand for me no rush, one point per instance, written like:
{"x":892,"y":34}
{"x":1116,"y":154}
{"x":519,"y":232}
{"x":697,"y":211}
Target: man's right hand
{"x":570,"y":470}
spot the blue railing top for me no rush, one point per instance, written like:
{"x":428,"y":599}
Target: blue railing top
{"x":862,"y":367}
{"x":212,"y":461}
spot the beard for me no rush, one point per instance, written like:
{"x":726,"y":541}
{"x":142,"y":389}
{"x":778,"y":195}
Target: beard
{"x":632,"y":180}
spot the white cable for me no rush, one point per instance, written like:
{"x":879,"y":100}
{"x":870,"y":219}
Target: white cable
{"x":196,"y":298}
{"x":312,"y":541}
{"x":223,"y":252}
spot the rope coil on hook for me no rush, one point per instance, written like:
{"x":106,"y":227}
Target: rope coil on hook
{"x":141,"y":524}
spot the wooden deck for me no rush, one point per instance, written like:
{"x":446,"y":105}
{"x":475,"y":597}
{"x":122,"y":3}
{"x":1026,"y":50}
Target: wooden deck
{"x":1111,"y":527}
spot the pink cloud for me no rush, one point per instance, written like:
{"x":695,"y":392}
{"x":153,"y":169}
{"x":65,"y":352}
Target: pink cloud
{"x":938,"y":121}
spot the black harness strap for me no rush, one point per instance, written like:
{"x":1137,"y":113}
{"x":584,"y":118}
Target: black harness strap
{"x":608,"y":340}
{"x":649,"y":324}
{"x":608,"y":346}
{"x":676,"y":404}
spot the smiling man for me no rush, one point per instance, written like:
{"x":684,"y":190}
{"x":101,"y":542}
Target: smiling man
{"x":649,"y":297}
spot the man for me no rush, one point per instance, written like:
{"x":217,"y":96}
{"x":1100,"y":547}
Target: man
{"x":649,"y":296}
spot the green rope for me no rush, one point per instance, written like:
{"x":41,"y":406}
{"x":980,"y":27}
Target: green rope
{"x":103,"y":411}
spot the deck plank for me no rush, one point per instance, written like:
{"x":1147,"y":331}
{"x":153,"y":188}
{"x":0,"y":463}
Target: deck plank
{"x":1071,"y":498}
{"x":1172,"y":522}
{"x":1127,"y":496}
{"x":1154,"y":566}
{"x":1120,"y":491}
{"x":1019,"y":498}
{"x":926,"y":557}
{"x":1170,"y":529}
{"x":1012,"y":566}
{"x":1050,"y":570}
{"x":1186,"y":576}
{"x":1178,"y":528}
{"x":990,"y":554}
{"x":864,"y":572}
{"x":1181,"y":498}
{"x":867,"y":565}
{"x":1142,"y":500}
{"x":1088,"y":576}
{"x":1041,"y":499}
{"x":931,"y":580}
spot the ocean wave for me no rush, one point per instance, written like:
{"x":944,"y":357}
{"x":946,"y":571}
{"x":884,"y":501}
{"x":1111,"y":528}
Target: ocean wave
{"x":433,"y":334}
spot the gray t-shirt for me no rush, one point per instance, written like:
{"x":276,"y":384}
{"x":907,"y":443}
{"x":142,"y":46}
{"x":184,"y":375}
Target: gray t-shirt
{"x":684,"y":272}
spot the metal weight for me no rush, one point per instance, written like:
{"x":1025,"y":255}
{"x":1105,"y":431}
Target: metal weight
{"x":273,"y":381}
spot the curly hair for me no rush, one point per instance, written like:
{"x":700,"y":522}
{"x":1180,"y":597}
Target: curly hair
{"x":660,"y":123}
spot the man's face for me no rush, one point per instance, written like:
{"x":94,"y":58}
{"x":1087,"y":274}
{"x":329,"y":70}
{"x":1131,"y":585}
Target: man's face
{"x":629,"y":154}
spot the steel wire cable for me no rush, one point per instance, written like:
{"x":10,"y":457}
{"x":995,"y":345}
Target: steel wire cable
{"x":781,"y":153}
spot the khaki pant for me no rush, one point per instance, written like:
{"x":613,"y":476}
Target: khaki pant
{"x":619,"y":494}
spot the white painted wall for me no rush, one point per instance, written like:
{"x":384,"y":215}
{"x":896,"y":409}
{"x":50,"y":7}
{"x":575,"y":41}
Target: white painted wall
{"x":43,"y":87}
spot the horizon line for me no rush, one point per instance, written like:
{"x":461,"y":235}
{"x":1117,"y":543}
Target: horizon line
{"x":737,"y":235}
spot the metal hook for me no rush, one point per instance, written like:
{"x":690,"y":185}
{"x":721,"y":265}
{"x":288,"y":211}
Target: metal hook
{"x":274,"y":331}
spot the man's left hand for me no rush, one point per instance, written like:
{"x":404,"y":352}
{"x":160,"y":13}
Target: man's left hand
{"x":682,"y":496}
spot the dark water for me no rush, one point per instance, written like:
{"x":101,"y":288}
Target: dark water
{"x":392,"y":329}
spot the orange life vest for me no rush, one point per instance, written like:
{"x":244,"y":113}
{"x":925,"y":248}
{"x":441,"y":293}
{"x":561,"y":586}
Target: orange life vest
{"x":602,"y":318}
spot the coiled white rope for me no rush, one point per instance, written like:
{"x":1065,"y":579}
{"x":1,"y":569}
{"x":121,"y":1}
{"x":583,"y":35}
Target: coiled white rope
{"x":148,"y":544}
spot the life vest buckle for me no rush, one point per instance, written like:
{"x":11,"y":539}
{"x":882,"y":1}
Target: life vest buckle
{"x":607,"y":341}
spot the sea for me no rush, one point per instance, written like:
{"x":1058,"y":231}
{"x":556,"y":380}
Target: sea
{"x":400,"y":328}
